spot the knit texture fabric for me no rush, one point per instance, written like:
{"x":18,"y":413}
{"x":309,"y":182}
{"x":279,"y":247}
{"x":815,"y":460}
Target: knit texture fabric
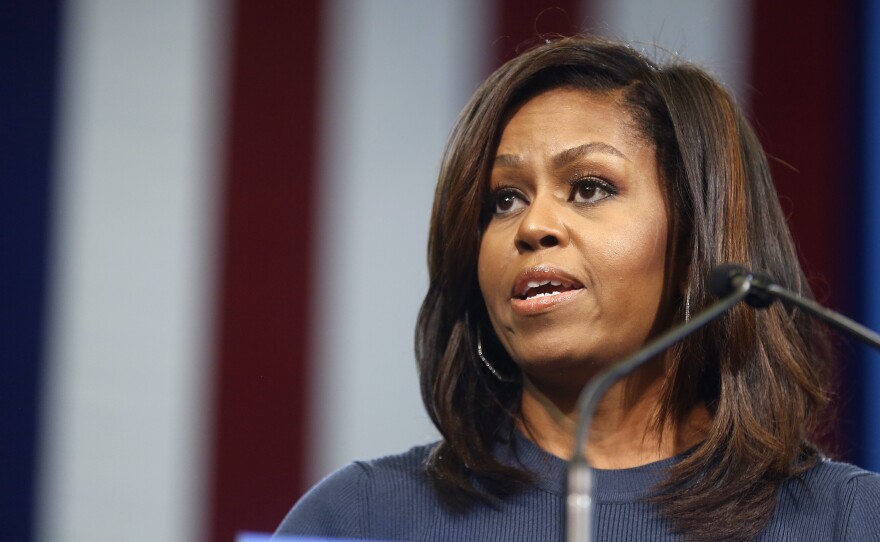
{"x":393,"y":499}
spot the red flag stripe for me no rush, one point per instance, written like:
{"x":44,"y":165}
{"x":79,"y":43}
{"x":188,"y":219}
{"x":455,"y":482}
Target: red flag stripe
{"x":261,"y":398}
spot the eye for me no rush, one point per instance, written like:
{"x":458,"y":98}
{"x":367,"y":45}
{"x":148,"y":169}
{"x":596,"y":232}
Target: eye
{"x":507,"y":200}
{"x":590,"y":190}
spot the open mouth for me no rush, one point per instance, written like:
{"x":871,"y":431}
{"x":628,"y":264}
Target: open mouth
{"x":543,"y":288}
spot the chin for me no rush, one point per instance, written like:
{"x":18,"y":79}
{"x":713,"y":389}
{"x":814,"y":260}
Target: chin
{"x":546,"y":360}
{"x":551,"y":346}
{"x":550,"y":361}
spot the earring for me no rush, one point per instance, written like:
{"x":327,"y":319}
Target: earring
{"x":687,"y":307}
{"x":485,"y":361}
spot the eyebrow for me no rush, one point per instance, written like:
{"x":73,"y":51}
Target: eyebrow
{"x":586,"y":149}
{"x":564,"y":157}
{"x":508,"y":160}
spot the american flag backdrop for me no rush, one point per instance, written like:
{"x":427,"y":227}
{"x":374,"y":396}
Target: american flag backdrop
{"x":215,"y":217}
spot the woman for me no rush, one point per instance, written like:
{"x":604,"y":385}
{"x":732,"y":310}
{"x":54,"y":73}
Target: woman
{"x":584,"y":196}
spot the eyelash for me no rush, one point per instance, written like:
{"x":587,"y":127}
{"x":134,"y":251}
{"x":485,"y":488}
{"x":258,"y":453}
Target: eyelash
{"x":501,"y":192}
{"x":592,"y":182}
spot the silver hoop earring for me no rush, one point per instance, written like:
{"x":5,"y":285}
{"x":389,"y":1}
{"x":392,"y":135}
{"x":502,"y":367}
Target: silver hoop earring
{"x":687,"y":307}
{"x":499,"y":376}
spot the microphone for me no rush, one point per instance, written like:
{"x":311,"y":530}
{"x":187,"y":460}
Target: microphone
{"x":736,"y":286}
{"x":726,"y":278}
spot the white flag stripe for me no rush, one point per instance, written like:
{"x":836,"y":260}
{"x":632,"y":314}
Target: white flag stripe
{"x":397,"y":74}
{"x":125,"y":392}
{"x":714,"y":34}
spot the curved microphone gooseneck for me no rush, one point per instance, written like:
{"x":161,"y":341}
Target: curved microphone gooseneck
{"x":765,"y":290}
{"x":579,"y":493}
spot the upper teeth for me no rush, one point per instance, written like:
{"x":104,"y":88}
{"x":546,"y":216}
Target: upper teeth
{"x":535,"y":283}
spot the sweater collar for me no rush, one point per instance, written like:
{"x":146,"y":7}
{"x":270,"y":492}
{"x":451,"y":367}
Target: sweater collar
{"x":612,"y":485}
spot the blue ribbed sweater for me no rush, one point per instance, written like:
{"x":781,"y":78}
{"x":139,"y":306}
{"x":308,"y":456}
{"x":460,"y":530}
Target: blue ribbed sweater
{"x":393,"y":499}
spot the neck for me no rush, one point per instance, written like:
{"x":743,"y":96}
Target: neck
{"x":624,"y":433}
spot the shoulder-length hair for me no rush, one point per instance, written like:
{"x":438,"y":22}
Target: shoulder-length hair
{"x":762,"y":376}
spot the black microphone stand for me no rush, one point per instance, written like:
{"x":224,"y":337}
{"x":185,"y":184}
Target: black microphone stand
{"x":725,"y":278}
{"x":832,"y":318}
{"x":579,"y":494}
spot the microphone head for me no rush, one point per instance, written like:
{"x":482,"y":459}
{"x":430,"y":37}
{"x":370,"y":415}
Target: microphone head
{"x":722,"y":282}
{"x":721,"y":278}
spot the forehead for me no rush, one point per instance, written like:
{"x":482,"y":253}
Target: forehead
{"x":560,"y":116}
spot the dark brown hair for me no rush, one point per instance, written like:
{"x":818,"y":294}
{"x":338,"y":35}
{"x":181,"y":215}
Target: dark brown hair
{"x":761,"y":375}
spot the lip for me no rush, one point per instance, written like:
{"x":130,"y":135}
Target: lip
{"x":537,"y":305}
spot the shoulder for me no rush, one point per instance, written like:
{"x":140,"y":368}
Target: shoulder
{"x":828,"y":471}
{"x":838,"y":499}
{"x":845,"y":480}
{"x":858,"y":491}
{"x":357,"y":500}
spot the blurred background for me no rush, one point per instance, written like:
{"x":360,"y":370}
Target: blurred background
{"x":214,"y":222}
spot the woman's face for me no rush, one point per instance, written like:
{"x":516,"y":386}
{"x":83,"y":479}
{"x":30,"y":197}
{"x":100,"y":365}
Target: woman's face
{"x":572,"y":262}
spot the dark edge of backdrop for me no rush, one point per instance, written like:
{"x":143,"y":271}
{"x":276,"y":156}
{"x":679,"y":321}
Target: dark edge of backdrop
{"x":29,"y":49}
{"x":866,"y":59}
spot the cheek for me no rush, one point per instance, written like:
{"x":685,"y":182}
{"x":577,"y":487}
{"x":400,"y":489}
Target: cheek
{"x":646,"y":249}
{"x":635,"y":258}
{"x":488,"y":268}
{"x":493,"y":265}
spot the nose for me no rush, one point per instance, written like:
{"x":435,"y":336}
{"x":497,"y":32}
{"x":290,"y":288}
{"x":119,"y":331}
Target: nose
{"x":541,"y":226}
